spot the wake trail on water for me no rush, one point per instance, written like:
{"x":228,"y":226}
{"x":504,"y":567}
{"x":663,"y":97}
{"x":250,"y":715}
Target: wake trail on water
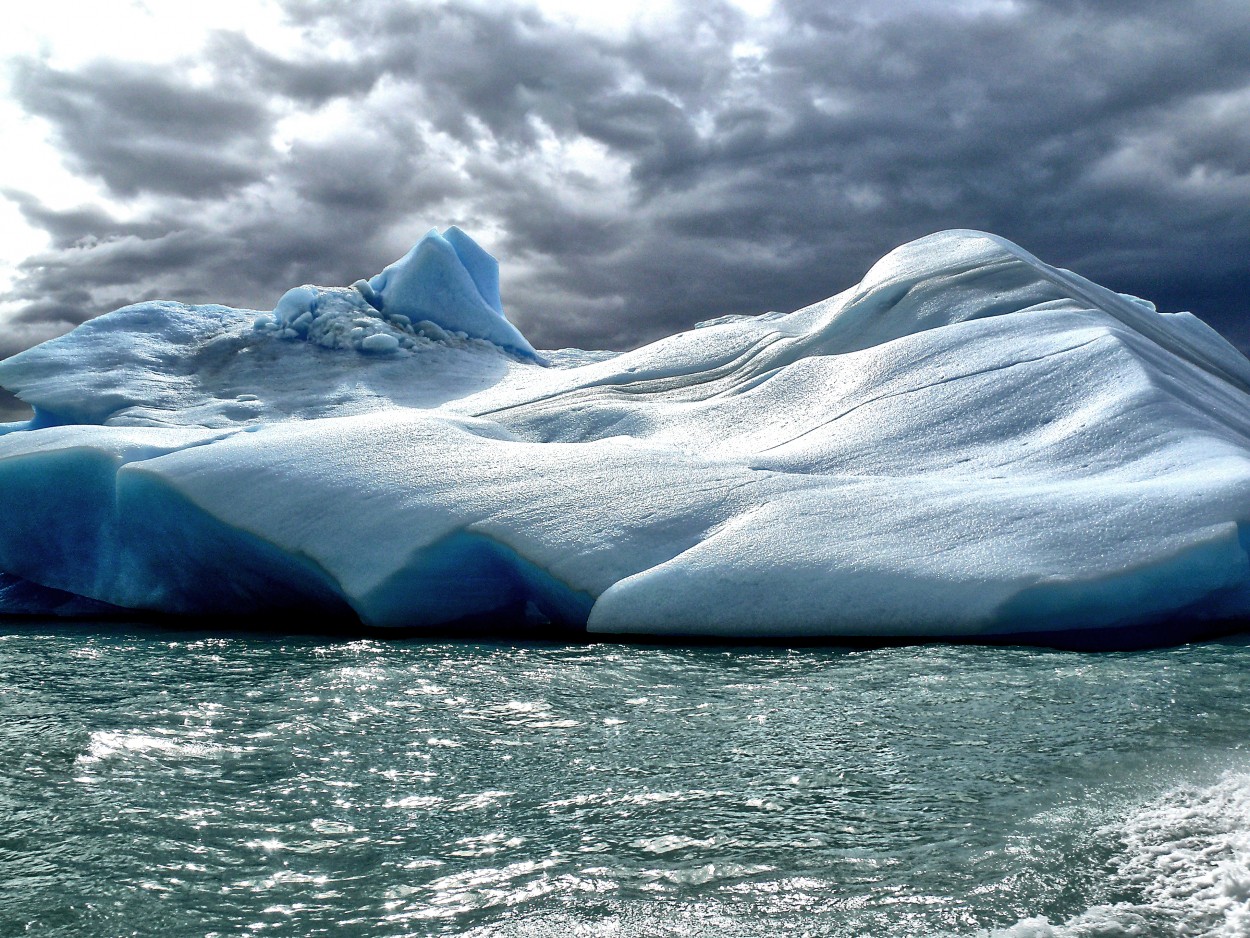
{"x":1185,"y":857}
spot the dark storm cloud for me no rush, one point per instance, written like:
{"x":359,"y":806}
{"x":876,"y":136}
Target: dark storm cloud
{"x":148,"y":129}
{"x":726,"y":165}
{"x":11,"y":408}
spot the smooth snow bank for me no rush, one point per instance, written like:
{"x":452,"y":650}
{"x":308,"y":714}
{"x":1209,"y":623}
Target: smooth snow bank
{"x":968,"y":443}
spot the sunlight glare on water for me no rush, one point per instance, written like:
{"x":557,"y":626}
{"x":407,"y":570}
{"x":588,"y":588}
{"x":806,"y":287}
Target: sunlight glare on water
{"x":176,"y":783}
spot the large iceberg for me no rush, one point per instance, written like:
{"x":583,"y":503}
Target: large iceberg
{"x":967,"y":444}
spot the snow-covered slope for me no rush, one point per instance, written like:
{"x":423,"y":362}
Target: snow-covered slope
{"x":967,"y":443}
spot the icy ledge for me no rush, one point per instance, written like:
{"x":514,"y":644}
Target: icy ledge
{"x":969,"y":443}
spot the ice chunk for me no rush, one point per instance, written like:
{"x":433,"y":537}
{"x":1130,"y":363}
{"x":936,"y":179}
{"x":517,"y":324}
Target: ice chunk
{"x":968,"y":443}
{"x":446,"y":280}
{"x":379,"y":342}
{"x":449,"y":280}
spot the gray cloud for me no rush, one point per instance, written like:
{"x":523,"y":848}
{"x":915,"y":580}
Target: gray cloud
{"x":142,"y":128}
{"x":634,"y":185}
{"x":11,"y":408}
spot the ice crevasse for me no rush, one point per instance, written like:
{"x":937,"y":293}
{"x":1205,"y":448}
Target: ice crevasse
{"x":967,"y":444}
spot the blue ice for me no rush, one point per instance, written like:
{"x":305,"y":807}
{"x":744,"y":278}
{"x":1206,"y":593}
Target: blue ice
{"x":969,"y":443}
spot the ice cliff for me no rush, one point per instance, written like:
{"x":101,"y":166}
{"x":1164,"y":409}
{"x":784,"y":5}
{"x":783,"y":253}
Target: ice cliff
{"x":968,"y":443}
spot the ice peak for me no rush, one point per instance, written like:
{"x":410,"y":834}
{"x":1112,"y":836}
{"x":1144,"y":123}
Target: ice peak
{"x":450,"y":280}
{"x":447,"y":283}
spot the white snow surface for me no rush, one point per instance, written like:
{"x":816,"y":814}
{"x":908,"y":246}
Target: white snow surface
{"x":968,"y":443}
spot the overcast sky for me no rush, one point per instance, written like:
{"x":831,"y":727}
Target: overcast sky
{"x":634,"y":171}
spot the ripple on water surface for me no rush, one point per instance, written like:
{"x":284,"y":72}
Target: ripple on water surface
{"x":173,"y":783}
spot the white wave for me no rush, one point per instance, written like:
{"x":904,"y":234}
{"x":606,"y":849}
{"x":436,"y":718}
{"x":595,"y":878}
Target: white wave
{"x":106,"y":744}
{"x":1186,"y":861}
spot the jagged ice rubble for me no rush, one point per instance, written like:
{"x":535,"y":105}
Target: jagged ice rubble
{"x":969,"y":443}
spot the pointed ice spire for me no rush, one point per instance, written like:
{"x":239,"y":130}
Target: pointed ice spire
{"x":449,"y":280}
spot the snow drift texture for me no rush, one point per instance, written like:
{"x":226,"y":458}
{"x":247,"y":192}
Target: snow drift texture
{"x":967,"y":443}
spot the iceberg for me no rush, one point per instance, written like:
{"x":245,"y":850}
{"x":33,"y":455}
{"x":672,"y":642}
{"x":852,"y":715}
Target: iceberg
{"x":969,"y":444}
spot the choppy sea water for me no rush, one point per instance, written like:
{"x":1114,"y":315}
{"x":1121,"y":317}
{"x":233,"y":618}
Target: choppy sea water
{"x":174,"y":783}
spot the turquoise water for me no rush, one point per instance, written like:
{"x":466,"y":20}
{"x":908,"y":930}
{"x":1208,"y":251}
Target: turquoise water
{"x":176,"y":783}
